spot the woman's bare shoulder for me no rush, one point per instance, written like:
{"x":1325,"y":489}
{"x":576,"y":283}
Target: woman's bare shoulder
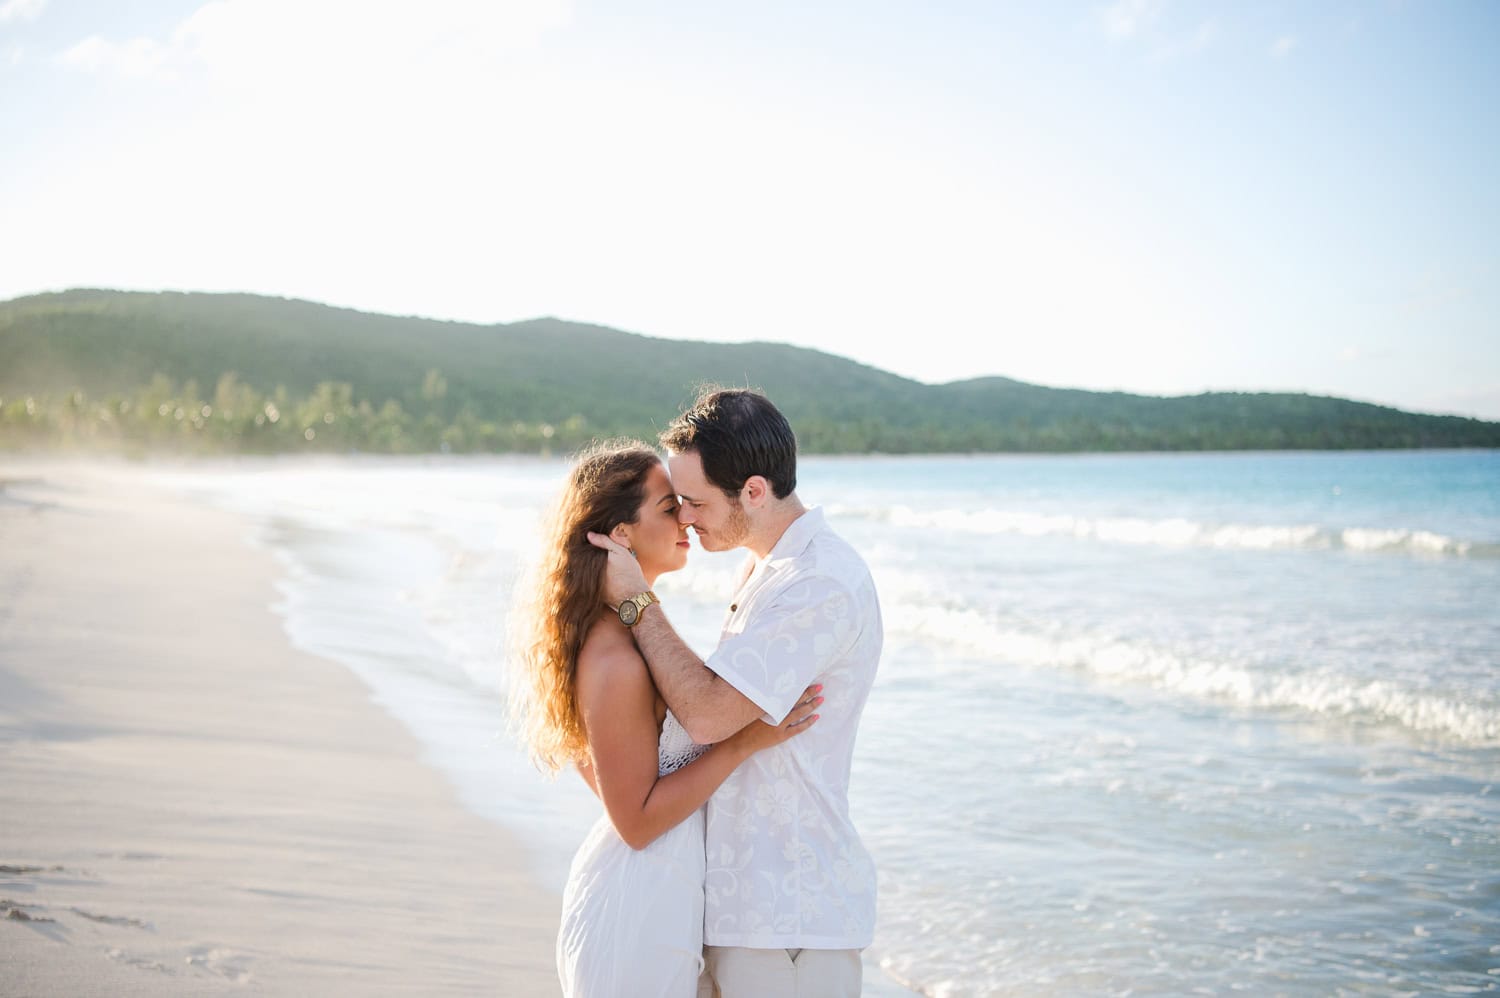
{"x":609,"y":659}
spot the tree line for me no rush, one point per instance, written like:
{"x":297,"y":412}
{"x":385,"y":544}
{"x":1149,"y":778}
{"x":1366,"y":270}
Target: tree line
{"x":165,"y":416}
{"x":210,"y":373}
{"x":236,"y":418}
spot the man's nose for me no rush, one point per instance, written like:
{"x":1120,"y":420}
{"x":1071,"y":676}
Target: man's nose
{"x":685,"y":514}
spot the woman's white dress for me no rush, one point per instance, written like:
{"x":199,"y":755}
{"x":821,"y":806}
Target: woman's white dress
{"x":632,"y":920}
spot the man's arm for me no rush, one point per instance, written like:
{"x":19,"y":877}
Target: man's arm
{"x":708,"y":708}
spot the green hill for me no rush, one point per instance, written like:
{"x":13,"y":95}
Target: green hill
{"x":214,"y":372}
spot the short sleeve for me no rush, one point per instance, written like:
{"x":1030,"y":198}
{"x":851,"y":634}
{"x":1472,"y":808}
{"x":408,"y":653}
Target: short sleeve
{"x":787,"y":644}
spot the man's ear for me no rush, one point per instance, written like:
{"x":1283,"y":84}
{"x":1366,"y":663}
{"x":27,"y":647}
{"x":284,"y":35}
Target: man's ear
{"x":755,"y":491}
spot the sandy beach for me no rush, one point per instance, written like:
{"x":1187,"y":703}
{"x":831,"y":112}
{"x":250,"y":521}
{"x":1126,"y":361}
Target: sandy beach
{"x":190,"y":806}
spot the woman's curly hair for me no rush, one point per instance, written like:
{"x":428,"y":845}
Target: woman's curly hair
{"x":565,"y":596}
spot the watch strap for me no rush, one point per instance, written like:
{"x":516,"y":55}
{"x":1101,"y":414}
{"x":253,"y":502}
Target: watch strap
{"x":631,"y":608}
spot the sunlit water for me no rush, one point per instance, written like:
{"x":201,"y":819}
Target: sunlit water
{"x":1147,"y":724}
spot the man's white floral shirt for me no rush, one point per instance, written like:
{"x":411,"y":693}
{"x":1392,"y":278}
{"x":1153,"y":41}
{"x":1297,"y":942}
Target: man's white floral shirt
{"x":785,"y":866}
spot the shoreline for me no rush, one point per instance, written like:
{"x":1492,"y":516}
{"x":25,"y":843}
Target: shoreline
{"x":193,"y":806}
{"x":1072,"y":733}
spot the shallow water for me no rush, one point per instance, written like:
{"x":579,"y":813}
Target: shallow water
{"x":1146,"y":724}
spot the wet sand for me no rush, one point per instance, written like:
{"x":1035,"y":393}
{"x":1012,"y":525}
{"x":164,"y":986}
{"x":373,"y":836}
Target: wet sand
{"x":188,"y":805}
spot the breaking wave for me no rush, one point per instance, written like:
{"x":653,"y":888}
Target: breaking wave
{"x":1242,"y":684}
{"x":1181,"y":532}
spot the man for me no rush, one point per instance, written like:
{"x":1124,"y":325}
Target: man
{"x":790,"y":892}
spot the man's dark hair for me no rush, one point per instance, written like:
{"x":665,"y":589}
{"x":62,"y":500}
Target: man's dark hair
{"x":737,"y":433}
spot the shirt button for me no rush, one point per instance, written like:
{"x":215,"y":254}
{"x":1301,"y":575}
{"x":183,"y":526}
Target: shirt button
{"x":733,"y":607}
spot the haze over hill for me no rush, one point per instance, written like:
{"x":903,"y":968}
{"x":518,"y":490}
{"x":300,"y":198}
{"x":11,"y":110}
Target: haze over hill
{"x":103,"y":368}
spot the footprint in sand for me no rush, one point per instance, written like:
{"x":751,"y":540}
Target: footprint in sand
{"x":225,"y":963}
{"x":120,"y":956}
{"x":114,"y":919}
{"x":19,"y":870}
{"x":17,"y":912}
{"x":29,"y":916}
{"x":25,"y":875}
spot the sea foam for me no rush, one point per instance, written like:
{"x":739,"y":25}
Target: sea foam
{"x":1116,"y":659}
{"x":1177,"y":532}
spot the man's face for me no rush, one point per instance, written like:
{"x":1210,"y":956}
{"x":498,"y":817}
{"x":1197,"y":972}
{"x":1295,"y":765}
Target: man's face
{"x":720,"y":522}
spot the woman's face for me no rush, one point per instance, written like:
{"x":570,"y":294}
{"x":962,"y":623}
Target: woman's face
{"x":660,"y":543}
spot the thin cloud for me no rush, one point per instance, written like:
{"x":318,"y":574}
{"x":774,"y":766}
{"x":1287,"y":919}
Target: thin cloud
{"x":1128,"y":18}
{"x":1143,"y":22}
{"x":21,"y":10}
{"x":1282,"y":47}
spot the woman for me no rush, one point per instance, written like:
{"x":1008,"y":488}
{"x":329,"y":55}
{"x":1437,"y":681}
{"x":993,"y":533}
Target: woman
{"x":633,"y":908}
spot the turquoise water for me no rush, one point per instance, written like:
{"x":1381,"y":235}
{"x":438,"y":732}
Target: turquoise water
{"x":1146,"y":724}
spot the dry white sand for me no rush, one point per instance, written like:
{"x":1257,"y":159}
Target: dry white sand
{"x":190,"y":806}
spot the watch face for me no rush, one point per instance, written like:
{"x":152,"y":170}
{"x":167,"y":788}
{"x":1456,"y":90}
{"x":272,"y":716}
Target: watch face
{"x":629,"y":612}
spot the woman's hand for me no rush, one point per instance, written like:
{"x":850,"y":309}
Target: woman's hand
{"x":759,"y":735}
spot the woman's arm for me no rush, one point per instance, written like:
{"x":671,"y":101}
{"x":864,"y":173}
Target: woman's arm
{"x":618,"y":704}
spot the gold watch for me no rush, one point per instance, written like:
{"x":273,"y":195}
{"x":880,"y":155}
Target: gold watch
{"x":630,"y":610}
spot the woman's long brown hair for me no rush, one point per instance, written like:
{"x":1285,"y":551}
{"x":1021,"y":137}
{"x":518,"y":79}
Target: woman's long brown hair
{"x":606,"y":488}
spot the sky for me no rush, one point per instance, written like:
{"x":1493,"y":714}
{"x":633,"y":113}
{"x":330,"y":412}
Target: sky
{"x":1155,"y":196}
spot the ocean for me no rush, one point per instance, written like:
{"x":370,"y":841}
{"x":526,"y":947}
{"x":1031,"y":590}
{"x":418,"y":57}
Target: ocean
{"x":1147,"y":724}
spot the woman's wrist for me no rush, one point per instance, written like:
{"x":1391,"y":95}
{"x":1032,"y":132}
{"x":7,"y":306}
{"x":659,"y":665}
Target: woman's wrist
{"x":740,"y":745}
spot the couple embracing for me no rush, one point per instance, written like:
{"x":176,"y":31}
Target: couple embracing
{"x":725,"y":863}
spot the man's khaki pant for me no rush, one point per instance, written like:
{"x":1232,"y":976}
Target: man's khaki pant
{"x":736,"y":972}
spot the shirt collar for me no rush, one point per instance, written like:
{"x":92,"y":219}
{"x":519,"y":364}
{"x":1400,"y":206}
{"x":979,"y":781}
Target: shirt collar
{"x":797,"y":536}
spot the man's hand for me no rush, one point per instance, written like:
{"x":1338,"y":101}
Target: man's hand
{"x":622,"y":577}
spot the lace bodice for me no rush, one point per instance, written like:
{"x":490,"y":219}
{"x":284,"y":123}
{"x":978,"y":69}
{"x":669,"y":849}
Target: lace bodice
{"x":675,"y":749}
